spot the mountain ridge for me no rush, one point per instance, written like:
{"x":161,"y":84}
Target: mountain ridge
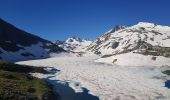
{"x":16,"y":44}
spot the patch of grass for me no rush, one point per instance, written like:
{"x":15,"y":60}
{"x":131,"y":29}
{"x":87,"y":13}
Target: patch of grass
{"x":21,"y":68}
{"x":167,"y":72}
{"x":16,"y":84}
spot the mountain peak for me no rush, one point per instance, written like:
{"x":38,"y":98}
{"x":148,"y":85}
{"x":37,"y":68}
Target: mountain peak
{"x":75,"y":44}
{"x":73,"y":39}
{"x":146,"y":24}
{"x":116,"y":28}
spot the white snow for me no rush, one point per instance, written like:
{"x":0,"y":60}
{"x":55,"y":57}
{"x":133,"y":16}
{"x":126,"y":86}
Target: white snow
{"x":145,"y":24}
{"x":108,"y":81}
{"x":34,"y":49}
{"x":63,"y":54}
{"x":134,"y":59}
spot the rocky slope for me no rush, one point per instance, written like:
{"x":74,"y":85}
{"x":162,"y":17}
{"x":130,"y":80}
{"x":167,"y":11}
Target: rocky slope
{"x":16,"y":44}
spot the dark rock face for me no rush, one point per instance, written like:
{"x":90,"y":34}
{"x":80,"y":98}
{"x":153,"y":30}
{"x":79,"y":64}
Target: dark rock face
{"x":58,"y":42}
{"x":74,"y":38}
{"x":27,"y":54}
{"x":77,"y":38}
{"x":143,"y":45}
{"x":71,"y":40}
{"x":53,"y":48}
{"x":115,"y":45}
{"x":9,"y":46}
{"x":97,"y":52}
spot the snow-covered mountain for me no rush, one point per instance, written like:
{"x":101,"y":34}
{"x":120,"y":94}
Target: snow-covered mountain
{"x":74,"y":44}
{"x":145,"y":38}
{"x":142,"y":44}
{"x":16,"y":44}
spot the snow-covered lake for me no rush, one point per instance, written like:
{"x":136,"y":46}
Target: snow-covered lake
{"x":106,"y":81}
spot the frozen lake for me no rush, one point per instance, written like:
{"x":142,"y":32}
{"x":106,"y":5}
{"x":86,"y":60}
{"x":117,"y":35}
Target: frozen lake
{"x":106,"y":81}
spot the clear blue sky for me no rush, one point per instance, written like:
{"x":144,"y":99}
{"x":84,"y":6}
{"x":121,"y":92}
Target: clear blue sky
{"x":59,"y":19}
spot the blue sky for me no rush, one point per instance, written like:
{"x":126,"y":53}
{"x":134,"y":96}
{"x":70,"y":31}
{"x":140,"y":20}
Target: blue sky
{"x":60,"y":19}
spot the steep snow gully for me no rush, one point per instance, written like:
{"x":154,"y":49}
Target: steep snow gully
{"x":87,"y":78}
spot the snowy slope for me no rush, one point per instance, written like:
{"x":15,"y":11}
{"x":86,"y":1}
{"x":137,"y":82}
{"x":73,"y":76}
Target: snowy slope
{"x":107,"y":81}
{"x":34,"y":51}
{"x":133,"y":59}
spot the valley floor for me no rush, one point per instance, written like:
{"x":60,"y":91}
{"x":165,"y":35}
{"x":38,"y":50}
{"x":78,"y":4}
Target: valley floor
{"x":106,"y":81}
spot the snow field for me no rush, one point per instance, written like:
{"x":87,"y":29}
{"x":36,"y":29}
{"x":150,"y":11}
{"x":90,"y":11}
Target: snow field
{"x":107,"y":81}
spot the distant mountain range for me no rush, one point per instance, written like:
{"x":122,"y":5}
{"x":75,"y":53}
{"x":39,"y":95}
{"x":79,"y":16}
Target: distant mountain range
{"x":74,"y":44}
{"x":16,"y":44}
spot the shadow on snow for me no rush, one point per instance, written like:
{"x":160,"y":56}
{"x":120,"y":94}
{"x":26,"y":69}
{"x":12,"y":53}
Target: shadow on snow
{"x":66,"y":92}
